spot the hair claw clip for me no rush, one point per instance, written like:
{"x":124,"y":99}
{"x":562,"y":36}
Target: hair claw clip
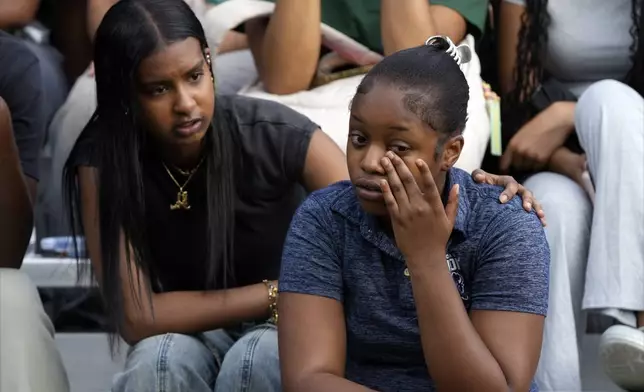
{"x":462,"y":54}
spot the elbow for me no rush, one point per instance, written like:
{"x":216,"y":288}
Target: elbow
{"x":284,"y":84}
{"x":132,"y":332}
{"x":136,"y":327}
{"x":302,"y":383}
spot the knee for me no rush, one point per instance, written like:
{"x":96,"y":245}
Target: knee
{"x":607,"y":97}
{"x":166,"y":362}
{"x":18,"y":294}
{"x":252,"y":363}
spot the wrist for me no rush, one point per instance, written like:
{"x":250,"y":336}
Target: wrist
{"x":426,"y":261}
{"x":566,"y":112}
{"x":272,"y":295}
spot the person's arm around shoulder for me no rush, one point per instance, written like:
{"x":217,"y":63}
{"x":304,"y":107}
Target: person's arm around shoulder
{"x":17,"y":13}
{"x":15,"y":200}
{"x":405,"y":24}
{"x":312,"y":334}
{"x":510,"y":293}
{"x":287,"y":48}
{"x":184,"y":312}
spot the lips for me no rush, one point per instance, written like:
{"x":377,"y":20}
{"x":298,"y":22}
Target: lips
{"x":368,"y":189}
{"x":190,"y":127}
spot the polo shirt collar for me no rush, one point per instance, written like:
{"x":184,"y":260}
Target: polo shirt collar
{"x":349,"y":207}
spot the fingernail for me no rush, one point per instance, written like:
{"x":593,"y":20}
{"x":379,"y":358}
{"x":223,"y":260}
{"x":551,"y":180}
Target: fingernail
{"x":528,"y":206}
{"x":458,"y":188}
{"x":503,"y":198}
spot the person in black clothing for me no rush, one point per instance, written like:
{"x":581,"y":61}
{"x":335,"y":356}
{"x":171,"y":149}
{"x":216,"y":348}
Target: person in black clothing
{"x":31,"y":89}
{"x":185,"y":199}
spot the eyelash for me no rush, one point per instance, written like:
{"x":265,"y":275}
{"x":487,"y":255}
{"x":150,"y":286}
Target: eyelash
{"x":195,"y":77}
{"x":354,"y":137}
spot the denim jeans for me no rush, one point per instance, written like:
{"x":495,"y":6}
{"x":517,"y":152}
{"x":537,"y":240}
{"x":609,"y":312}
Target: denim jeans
{"x":220,"y":361}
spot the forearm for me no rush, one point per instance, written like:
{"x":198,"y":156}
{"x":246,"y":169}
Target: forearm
{"x":450,"y":342}
{"x":294,"y":24}
{"x":405,"y":24}
{"x":196,"y":311}
{"x":96,"y":10}
{"x":233,"y":41}
{"x":16,"y":209}
{"x":323,"y":382}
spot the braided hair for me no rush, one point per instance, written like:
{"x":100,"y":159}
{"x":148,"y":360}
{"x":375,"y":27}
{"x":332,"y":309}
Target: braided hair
{"x":533,"y":41}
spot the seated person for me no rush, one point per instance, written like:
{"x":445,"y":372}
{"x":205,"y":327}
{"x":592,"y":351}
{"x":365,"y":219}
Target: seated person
{"x":580,"y":138}
{"x":384,"y":26}
{"x":185,"y":198}
{"x":411,"y":277}
{"x":29,"y":360}
{"x":25,"y":328}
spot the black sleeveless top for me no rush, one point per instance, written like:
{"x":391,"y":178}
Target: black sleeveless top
{"x":271,"y":141}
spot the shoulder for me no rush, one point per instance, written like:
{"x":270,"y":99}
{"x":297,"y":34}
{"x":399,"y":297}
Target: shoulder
{"x":325,"y":201}
{"x":14,"y":49}
{"x":19,"y":64}
{"x":85,"y":151}
{"x":487,"y":216}
{"x":248,"y":112}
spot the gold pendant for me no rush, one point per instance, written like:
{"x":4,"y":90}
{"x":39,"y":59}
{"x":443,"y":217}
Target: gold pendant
{"x":182,"y":201}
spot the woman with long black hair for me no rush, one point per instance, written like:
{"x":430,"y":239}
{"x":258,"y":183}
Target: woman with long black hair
{"x":175,"y":206}
{"x":185,"y":199}
{"x":573,"y":78}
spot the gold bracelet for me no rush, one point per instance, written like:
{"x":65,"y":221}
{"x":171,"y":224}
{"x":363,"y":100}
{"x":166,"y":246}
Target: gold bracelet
{"x":272,"y":300}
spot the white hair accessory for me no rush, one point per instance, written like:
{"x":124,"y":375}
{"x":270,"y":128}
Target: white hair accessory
{"x":461,"y":54}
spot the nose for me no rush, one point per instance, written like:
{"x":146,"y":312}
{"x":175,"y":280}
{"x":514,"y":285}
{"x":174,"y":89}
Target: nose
{"x":371,"y":160}
{"x":184,"y":103}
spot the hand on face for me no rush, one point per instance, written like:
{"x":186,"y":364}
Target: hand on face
{"x":421,"y":224}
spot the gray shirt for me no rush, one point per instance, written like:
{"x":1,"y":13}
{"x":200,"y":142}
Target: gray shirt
{"x":589,"y":41}
{"x":498,"y":257}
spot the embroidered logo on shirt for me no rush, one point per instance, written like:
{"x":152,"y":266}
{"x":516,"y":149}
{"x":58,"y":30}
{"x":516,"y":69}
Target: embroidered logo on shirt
{"x":455,"y":269}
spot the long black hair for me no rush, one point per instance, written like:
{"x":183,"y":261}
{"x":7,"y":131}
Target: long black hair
{"x":131,"y":31}
{"x":533,"y":41}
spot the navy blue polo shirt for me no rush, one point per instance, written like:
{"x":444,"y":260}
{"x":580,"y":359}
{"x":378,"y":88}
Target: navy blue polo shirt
{"x":498,"y":256}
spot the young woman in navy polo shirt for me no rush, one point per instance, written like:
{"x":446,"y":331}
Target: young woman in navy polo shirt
{"x":411,"y":277}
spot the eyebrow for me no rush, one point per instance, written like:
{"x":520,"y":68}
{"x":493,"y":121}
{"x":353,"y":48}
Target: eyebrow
{"x":197,"y":67}
{"x":400,"y":128}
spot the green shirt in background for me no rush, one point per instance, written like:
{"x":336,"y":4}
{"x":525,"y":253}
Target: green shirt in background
{"x":360,"y":19}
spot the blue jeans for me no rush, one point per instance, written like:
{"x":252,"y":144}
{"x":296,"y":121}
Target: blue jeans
{"x":219,"y":361}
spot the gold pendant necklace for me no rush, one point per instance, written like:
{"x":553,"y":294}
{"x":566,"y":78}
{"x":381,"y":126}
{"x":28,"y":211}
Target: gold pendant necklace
{"x":182,"y":195}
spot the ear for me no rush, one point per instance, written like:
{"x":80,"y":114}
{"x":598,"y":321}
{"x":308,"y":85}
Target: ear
{"x":451,"y":152}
